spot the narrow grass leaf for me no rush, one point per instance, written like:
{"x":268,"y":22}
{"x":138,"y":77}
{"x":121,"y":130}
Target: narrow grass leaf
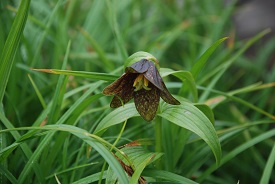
{"x":101,"y":54}
{"x":90,"y":75}
{"x":226,"y":158}
{"x":90,"y":179}
{"x":39,"y":95}
{"x":12,"y":44}
{"x":101,"y":149}
{"x":188,"y":116}
{"x":215,"y":102}
{"x":269,"y":167}
{"x":7,"y":174}
{"x":228,"y":63}
{"x":137,"y":174}
{"x":115,"y":27}
{"x":200,"y":63}
{"x":167,"y":176}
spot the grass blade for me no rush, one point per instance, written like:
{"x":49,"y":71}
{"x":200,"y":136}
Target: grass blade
{"x":90,"y":75}
{"x":269,"y":167}
{"x":203,"y":59}
{"x":12,"y":44}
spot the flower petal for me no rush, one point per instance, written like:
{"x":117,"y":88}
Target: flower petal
{"x":147,"y":102}
{"x":153,"y":76}
{"x":138,"y":67}
{"x":122,"y":88}
{"x":167,"y":97}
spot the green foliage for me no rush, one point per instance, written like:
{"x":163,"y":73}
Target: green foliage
{"x":57,"y":126}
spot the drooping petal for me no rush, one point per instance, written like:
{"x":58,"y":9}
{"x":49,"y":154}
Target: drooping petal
{"x":153,"y":76}
{"x":167,"y":97}
{"x":138,"y":67}
{"x":122,"y":88}
{"x":147,"y":102}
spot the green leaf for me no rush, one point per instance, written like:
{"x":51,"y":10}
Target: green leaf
{"x":196,"y":69}
{"x":94,"y":141}
{"x":184,"y":76}
{"x":4,"y":171}
{"x":207,"y":111}
{"x":269,"y":167}
{"x":90,"y":179}
{"x":229,"y":156}
{"x":117,"y":116}
{"x":90,"y":75}
{"x":190,"y":117}
{"x":139,"y":158}
{"x":223,"y":67}
{"x":12,"y":44}
{"x":167,"y":176}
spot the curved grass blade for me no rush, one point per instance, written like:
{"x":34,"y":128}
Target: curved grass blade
{"x":237,"y":151}
{"x":94,"y":141}
{"x":203,"y":59}
{"x":117,"y":116}
{"x":190,"y":117}
{"x":222,"y":68}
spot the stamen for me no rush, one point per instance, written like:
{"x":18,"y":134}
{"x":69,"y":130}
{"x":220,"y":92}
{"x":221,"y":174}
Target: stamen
{"x":141,"y":82}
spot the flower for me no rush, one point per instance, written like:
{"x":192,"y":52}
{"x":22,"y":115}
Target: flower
{"x":142,"y":82}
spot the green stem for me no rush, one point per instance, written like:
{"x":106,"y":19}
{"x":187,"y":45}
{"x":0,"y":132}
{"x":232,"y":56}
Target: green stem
{"x":113,"y":146}
{"x":158,"y":135}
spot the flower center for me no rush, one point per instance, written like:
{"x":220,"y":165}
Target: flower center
{"x":141,"y":82}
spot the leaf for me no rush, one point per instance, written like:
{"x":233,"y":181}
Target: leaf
{"x":223,"y":67}
{"x":167,"y":176}
{"x":139,"y":158}
{"x":229,"y":156}
{"x":117,"y":116}
{"x":207,"y":111}
{"x":91,"y":75}
{"x":269,"y":167}
{"x":94,"y":141}
{"x":202,"y":60}
{"x":12,"y":44}
{"x":190,"y":117}
{"x":184,"y":76}
{"x":90,"y":179}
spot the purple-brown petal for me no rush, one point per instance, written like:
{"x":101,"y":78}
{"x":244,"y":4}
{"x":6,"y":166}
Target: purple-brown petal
{"x":122,"y":88}
{"x":167,"y":97}
{"x":147,"y":101}
{"x":138,"y":67}
{"x":154,"y":77}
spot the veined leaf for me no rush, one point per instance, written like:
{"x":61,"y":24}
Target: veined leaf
{"x":190,"y":117}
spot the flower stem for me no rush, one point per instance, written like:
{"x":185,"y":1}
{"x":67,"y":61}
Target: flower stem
{"x":158,"y":137}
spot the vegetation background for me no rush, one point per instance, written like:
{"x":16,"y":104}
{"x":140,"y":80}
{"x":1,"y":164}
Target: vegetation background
{"x":44,"y":116}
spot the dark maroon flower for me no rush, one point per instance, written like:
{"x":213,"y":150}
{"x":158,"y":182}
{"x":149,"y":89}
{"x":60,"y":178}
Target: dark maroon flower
{"x":142,"y":82}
